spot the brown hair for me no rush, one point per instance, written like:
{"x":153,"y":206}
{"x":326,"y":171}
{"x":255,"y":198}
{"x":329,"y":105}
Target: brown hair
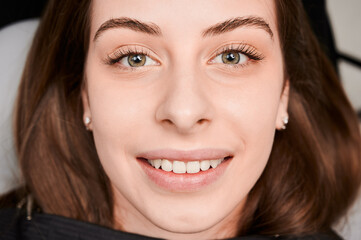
{"x":313,"y":173}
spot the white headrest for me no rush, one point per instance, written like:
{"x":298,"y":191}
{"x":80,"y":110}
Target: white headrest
{"x":15,"y":41}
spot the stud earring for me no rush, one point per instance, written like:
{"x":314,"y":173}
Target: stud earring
{"x":285,"y":122}
{"x":87,"y":121}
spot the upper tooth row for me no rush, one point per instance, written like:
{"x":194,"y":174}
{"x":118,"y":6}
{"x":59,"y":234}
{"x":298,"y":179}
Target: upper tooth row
{"x":183,"y":167}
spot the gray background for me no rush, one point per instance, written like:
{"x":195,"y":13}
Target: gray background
{"x":345,"y":17}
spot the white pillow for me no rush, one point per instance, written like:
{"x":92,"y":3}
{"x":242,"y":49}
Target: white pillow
{"x":15,"y":41}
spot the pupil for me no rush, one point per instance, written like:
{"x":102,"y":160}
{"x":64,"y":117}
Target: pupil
{"x":231,"y":58}
{"x":137,"y":59}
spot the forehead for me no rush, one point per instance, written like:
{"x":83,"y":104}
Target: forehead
{"x":181,"y":16}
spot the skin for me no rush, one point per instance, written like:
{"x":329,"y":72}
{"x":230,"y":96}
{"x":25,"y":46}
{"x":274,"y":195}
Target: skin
{"x":160,"y":105}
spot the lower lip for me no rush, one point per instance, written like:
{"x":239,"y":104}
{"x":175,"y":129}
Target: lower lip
{"x":184,"y":182}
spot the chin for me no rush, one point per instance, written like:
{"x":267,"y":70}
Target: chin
{"x":204,"y":217}
{"x":190,"y":223}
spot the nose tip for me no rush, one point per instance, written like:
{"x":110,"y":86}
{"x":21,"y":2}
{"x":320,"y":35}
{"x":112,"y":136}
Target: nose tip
{"x":184,"y":122}
{"x":184,"y":110}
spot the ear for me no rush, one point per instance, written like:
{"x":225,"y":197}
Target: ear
{"x":87,"y":117}
{"x":283,"y":106}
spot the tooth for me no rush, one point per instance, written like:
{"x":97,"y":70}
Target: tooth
{"x":179,"y":167}
{"x":167,"y":165}
{"x":157,"y":163}
{"x":214,"y":163}
{"x":205,"y":165}
{"x":150,"y":162}
{"x":182,"y":167}
{"x":193,"y":167}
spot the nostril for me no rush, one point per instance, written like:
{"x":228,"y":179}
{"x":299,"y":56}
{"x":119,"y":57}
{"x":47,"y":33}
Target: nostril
{"x":168,"y":121}
{"x":203,"y":120}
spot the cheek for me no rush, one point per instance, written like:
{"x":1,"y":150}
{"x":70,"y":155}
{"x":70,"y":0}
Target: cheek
{"x":249,"y":114}
{"x":251,"y":106}
{"x":117,"y":114}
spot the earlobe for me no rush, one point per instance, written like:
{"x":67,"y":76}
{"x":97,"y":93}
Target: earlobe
{"x":282,"y":115}
{"x":87,"y":113}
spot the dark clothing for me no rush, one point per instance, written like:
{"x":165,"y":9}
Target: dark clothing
{"x":15,"y":226}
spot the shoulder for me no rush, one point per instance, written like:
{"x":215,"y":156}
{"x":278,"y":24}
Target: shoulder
{"x":329,"y":235}
{"x":15,"y":225}
{"x":9,"y":224}
{"x":10,"y":215}
{"x":12,"y":224}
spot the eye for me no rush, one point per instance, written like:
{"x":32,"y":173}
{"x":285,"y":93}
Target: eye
{"x":131,"y":57}
{"x":136,"y":60}
{"x":232,"y":57}
{"x":238,"y":55}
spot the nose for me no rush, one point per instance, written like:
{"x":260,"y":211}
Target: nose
{"x":185,"y":107}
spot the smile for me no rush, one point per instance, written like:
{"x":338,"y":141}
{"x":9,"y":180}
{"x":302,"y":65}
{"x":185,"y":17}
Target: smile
{"x":184,"y":171}
{"x":185,"y":167}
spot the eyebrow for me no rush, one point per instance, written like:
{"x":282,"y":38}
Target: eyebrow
{"x":130,"y":23}
{"x":153,"y":29}
{"x":234,"y":23}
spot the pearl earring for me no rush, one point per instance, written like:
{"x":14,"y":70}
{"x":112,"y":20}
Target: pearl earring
{"x":87,"y":121}
{"x":285,"y":122}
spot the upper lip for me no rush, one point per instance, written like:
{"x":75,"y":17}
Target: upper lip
{"x":181,"y":155}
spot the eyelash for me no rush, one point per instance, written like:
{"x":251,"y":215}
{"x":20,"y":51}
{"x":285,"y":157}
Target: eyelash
{"x":121,"y":53}
{"x":242,"y":48}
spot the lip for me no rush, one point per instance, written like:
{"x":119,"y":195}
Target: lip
{"x":185,"y":182}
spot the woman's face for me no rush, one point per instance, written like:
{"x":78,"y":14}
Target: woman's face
{"x":196,"y":88}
